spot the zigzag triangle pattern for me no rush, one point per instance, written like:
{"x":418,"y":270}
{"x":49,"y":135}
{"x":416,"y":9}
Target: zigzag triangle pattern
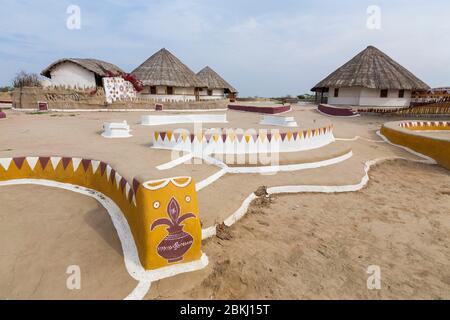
{"x":78,"y":165}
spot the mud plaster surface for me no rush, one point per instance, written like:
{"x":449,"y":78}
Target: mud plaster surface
{"x":43,"y":231}
{"x":318,"y":246}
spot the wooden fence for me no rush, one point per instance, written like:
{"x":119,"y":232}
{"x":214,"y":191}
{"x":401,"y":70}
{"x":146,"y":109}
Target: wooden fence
{"x":430,"y":110}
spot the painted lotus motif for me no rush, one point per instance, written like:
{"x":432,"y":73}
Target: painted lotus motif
{"x":177,"y":243}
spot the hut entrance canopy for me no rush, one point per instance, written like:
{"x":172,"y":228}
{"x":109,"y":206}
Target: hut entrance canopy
{"x":364,"y":81}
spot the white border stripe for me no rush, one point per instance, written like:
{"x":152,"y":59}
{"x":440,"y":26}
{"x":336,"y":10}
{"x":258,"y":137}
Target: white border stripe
{"x":131,"y":258}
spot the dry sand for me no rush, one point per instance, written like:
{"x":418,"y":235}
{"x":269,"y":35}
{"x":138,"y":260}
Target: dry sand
{"x":232,"y":273}
{"x":319,"y":246}
{"x":43,"y":231}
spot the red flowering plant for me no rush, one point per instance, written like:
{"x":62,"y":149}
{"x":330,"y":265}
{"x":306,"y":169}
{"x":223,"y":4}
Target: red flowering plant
{"x":137,"y":84}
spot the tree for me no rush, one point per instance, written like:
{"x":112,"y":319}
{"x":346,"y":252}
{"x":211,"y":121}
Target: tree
{"x":23,"y":79}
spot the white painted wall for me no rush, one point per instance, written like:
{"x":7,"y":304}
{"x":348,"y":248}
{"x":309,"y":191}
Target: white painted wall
{"x":180,"y":90}
{"x":71,"y":74}
{"x":368,"y":98}
{"x":241,"y":146}
{"x":160,"y":90}
{"x":180,"y":94}
{"x":371,"y":97}
{"x":217,"y":94}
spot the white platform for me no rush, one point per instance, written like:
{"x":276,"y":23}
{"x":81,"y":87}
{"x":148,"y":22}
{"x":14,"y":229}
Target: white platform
{"x":270,"y":120}
{"x":183,"y":118}
{"x":116,"y":130}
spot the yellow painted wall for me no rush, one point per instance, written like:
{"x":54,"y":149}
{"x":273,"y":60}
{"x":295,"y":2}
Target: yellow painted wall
{"x":138,"y":208}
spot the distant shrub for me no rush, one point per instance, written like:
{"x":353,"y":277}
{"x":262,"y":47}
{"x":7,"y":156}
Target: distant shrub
{"x":5,"y":89}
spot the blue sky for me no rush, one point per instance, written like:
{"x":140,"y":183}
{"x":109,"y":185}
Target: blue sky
{"x":264,"y":48}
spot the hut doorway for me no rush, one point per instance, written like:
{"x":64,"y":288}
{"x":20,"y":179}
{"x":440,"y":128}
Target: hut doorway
{"x":322,"y":96}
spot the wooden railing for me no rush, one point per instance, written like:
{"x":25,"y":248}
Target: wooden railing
{"x":429,"y":109}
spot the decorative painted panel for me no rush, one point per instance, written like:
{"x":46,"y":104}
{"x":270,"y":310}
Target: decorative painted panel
{"x":116,"y":89}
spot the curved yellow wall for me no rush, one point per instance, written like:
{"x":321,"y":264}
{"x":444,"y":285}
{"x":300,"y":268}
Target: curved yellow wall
{"x":438,"y":149}
{"x":138,"y":203}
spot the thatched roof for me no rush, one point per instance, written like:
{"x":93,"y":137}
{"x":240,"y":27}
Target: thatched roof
{"x":164,"y":69}
{"x":98,"y":67}
{"x":372,"y":69}
{"x":214,"y":81}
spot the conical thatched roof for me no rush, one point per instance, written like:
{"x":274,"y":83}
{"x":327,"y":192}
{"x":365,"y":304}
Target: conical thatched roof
{"x":164,"y":69}
{"x":214,"y":81}
{"x":98,"y":67}
{"x":372,"y":69}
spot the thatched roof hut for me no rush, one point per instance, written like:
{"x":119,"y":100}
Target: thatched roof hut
{"x":164,"y":69}
{"x":375,"y":70}
{"x":98,"y":67}
{"x":214,"y":81}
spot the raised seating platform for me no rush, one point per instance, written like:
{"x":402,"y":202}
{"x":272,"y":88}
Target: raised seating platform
{"x":279,"y":121}
{"x":260,"y":109}
{"x":116,"y":130}
{"x":183,"y":118}
{"x":333,"y":111}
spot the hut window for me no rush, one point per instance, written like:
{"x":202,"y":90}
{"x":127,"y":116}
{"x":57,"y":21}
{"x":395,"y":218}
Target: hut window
{"x":210,"y":92}
{"x":152,"y":90}
{"x":401,"y":93}
{"x":336,"y":92}
{"x":169,"y":90}
{"x":384,"y":93}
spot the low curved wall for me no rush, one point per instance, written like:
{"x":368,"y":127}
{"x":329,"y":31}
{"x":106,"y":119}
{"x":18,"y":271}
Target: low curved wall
{"x":407,"y":134}
{"x":239,"y":141}
{"x":162,"y":215}
{"x":336,"y":111}
{"x":183,"y":118}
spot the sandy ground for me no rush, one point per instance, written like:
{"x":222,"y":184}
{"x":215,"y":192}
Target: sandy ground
{"x":318,"y":246}
{"x":43,"y":231}
{"x":78,"y":134}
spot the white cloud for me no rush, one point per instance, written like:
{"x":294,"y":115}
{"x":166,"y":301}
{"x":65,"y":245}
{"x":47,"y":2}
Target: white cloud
{"x":264,"y":48}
